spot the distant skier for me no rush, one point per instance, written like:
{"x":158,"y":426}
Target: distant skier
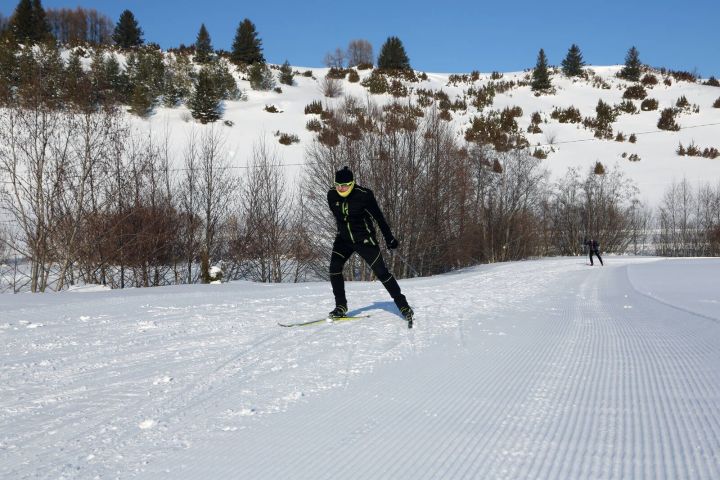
{"x":593,"y":249}
{"x":355,"y":208}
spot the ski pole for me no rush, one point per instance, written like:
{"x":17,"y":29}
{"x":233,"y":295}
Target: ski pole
{"x":393,"y":252}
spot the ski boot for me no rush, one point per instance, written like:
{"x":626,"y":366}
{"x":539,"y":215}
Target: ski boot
{"x":408,"y":314}
{"x":339,"y":312}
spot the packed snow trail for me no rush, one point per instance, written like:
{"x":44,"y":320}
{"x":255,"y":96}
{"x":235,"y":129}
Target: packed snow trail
{"x":541,"y":369}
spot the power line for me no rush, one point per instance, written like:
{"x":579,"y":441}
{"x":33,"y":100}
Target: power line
{"x":582,"y":140}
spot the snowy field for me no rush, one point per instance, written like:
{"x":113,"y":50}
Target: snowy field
{"x":539,"y":369}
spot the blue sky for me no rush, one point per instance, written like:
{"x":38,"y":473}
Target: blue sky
{"x":442,"y":36}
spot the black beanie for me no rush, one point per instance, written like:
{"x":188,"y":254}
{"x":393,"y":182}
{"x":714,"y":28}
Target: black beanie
{"x":345,"y":175}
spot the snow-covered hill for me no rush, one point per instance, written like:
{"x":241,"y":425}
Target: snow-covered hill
{"x":569,"y":145}
{"x":536,"y":369}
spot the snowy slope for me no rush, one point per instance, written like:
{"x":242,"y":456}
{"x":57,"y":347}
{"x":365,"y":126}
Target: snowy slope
{"x":571,"y":144}
{"x":535,"y":369}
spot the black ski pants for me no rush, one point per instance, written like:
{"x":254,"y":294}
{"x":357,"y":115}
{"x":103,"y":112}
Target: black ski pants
{"x":342,"y":251}
{"x":597,"y":254}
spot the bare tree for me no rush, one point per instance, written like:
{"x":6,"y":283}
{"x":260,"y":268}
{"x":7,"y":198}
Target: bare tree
{"x":34,"y":158}
{"x":267,"y":212}
{"x":359,"y":52}
{"x":217,"y":185}
{"x":87,"y":150}
{"x":190,"y":207}
{"x":331,"y":87}
{"x":335,"y":59}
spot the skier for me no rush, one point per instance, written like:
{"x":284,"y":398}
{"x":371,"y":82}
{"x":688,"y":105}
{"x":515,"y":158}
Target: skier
{"x":355,"y":208}
{"x":593,"y":249}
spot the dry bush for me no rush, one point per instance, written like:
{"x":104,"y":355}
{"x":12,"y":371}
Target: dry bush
{"x":331,"y":87}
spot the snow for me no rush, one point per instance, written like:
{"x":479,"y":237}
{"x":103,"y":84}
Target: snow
{"x":536,"y":369}
{"x":573,"y":145}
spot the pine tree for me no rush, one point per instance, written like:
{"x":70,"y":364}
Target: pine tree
{"x":205,"y":103}
{"x":76,"y":84}
{"x":117,"y":80}
{"x":203,"y":46}
{"x":8,"y":68}
{"x":225,"y":85}
{"x":573,"y":64}
{"x":247,"y":47}
{"x":141,"y":101}
{"x":392,"y":56}
{"x":127,"y":32}
{"x":40,"y":26}
{"x":632,"y":69}
{"x":541,"y":75}
{"x":286,"y":74}
{"x":22,"y":21}
{"x":260,"y":77}
{"x":29,"y":23}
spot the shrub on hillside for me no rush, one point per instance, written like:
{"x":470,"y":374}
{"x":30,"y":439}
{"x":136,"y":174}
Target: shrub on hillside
{"x":712,"y":82}
{"x":682,"y":103}
{"x":397,"y":89}
{"x":539,"y":153}
{"x":314,"y":107}
{"x":568,"y":115}
{"x":626,"y":107}
{"x":679,"y":75}
{"x":498,"y":129}
{"x":717,"y":103}
{"x":314,"y":125}
{"x":667,"y":120}
{"x":632,"y":138}
{"x":337,"y":73}
{"x":599,"y":168}
{"x":353,"y":76}
{"x":287,"y":138}
{"x":328,"y":137}
{"x":649,"y":104}
{"x":649,"y":80}
{"x":711,"y":152}
{"x":636,"y":92}
{"x":602,"y":122}
{"x":535,"y":121}
{"x":376,"y":83}
{"x":483,"y":97}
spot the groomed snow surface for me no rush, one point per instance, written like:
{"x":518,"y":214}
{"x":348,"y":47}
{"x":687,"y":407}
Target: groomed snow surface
{"x":547,"y":369}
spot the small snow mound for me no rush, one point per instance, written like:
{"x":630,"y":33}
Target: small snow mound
{"x":88,"y":288}
{"x":147,"y":424}
{"x":165,"y":379}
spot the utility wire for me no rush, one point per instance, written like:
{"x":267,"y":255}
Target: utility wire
{"x":593,"y":139}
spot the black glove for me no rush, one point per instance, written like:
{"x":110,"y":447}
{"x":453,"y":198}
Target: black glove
{"x":392,"y":243}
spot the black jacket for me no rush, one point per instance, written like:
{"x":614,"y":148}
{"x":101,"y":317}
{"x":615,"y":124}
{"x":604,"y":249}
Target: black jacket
{"x":593,"y":245}
{"x":354,"y":216}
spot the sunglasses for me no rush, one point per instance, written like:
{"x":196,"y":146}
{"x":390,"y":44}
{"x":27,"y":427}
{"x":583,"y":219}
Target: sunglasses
{"x":348,"y":184}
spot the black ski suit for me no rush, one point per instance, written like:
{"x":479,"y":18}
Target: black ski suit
{"x":594,"y":249}
{"x":354,"y":216}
